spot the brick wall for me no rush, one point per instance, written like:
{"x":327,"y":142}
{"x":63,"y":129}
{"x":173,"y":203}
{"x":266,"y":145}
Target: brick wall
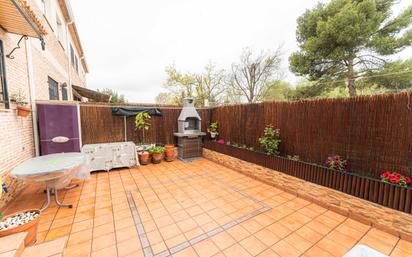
{"x":16,"y":135}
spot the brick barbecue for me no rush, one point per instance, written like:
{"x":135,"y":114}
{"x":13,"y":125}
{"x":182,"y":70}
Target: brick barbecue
{"x":189,"y":135}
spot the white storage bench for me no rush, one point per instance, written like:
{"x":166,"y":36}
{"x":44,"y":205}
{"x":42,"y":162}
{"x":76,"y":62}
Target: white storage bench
{"x":110,"y":155}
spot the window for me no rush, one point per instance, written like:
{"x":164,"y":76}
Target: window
{"x":4,"y":96}
{"x":60,"y":30}
{"x":64,"y":93}
{"x":76,"y":64}
{"x":73,"y":59}
{"x":53,"y":89}
{"x":71,"y":54}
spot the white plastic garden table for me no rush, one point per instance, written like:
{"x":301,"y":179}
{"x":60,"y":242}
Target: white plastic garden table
{"x":55,"y":170}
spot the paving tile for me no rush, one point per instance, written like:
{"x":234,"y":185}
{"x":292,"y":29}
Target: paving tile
{"x":125,"y":233}
{"x":129,"y":246}
{"x":46,"y":249}
{"x":103,"y":229}
{"x":80,"y":237}
{"x":309,"y":234}
{"x":316,"y":251}
{"x":12,"y":242}
{"x":103,"y":241}
{"x":253,"y":245}
{"x":298,"y":242}
{"x":332,"y":247}
{"x":400,"y":253}
{"x":187,"y":224}
{"x":268,"y":253}
{"x":236,"y":250}
{"x":188,"y":252}
{"x":82,"y":225}
{"x":223,"y":240}
{"x":267,"y":237}
{"x":376,"y":244}
{"x":170,"y":231}
{"x":206,"y":248}
{"x":106,"y":252}
{"x":174,"y":241}
{"x":58,"y":232}
{"x":405,"y":246}
{"x":284,"y":249}
{"x":238,"y":233}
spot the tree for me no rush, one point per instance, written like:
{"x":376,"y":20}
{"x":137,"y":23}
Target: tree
{"x":115,"y":97}
{"x":393,"y":76}
{"x":166,"y":98}
{"x":276,"y":91}
{"x":348,"y":39}
{"x":251,"y":75}
{"x":207,"y":86}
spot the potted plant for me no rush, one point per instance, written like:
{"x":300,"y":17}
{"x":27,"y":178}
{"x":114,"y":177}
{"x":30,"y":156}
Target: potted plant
{"x":169,"y":152}
{"x":142,"y":124}
{"x":213,"y":130}
{"x":23,"y":221}
{"x":20,"y":100}
{"x":157,"y":153}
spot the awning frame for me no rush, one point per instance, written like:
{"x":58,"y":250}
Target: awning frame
{"x":29,"y":20}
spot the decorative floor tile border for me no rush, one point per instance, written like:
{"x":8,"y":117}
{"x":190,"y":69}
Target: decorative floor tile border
{"x":147,"y":250}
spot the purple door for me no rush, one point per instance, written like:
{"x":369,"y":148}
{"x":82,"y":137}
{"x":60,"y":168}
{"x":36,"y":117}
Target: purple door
{"x":58,"y":122}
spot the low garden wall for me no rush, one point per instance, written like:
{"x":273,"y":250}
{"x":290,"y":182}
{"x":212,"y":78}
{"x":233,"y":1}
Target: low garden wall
{"x":311,"y":182}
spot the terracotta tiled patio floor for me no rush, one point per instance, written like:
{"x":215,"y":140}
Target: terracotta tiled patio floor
{"x":196,"y":209}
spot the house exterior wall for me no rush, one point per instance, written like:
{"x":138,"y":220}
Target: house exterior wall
{"x":16,"y":137}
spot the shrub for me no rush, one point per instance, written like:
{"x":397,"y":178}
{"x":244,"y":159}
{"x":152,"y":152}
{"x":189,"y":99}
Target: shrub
{"x":336,"y":163}
{"x":395,"y":178}
{"x":270,"y":140}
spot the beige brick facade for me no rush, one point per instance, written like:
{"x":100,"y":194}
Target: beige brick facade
{"x":16,"y":137}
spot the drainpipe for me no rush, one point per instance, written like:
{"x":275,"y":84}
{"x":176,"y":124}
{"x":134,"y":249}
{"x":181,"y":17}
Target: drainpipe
{"x":70,"y":89}
{"x":32,"y":89}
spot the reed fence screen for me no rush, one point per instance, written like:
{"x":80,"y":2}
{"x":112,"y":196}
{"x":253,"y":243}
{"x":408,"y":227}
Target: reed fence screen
{"x":100,"y":126}
{"x":373,"y":133}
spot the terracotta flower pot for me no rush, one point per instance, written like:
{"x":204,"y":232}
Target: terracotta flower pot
{"x":157,"y":157}
{"x":143,"y":158}
{"x":23,"y":111}
{"x":30,"y":228}
{"x":170,"y":152}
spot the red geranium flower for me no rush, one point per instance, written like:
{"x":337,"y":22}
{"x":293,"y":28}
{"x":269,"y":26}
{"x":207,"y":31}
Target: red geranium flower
{"x":394,"y":180}
{"x":408,"y":180}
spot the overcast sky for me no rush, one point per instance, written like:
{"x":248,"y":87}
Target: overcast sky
{"x":128,"y":44}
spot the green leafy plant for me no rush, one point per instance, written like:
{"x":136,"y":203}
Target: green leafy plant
{"x":157,"y":150}
{"x":213,"y":127}
{"x":142,"y":123}
{"x":336,"y":163}
{"x":19,"y":98}
{"x":270,"y":140}
{"x":293,"y":157}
